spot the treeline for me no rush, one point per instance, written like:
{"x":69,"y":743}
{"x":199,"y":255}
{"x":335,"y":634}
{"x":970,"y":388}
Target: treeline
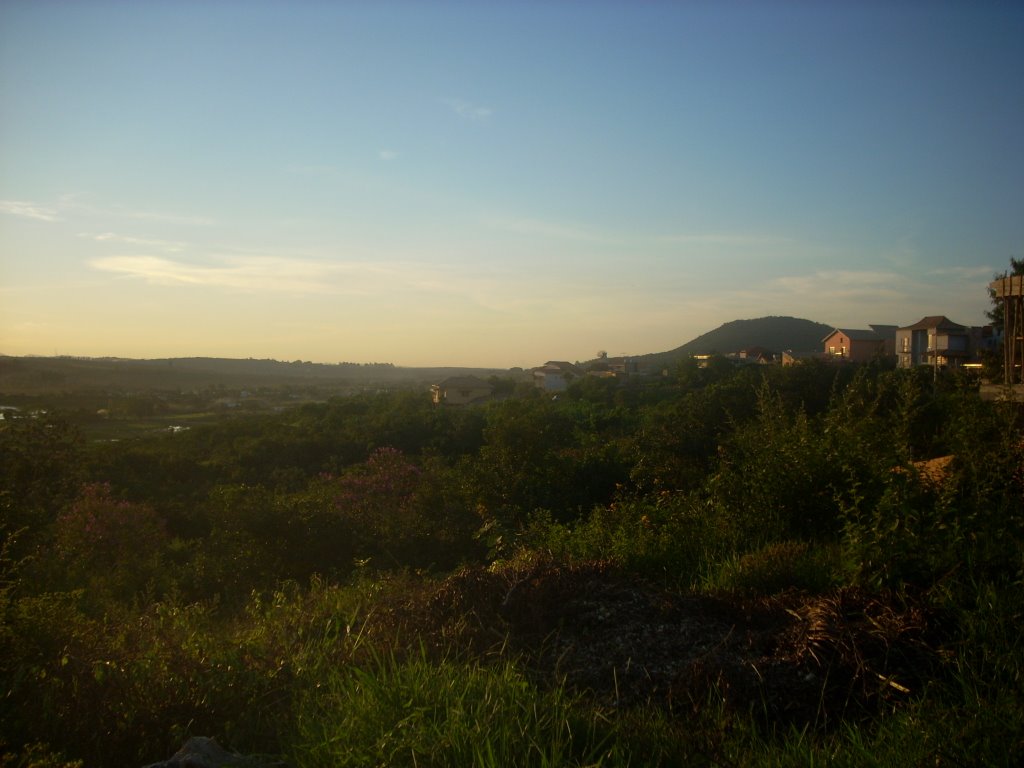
{"x":54,"y":376}
{"x":136,"y":575}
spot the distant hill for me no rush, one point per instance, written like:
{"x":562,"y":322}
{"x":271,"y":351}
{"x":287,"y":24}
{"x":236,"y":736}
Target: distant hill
{"x":31,"y":375}
{"x":776,"y":334}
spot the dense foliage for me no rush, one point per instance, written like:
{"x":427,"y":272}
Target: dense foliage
{"x":236,"y":579}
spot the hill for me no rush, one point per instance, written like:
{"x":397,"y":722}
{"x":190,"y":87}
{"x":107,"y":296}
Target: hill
{"x":37,"y":375}
{"x":777,"y":334}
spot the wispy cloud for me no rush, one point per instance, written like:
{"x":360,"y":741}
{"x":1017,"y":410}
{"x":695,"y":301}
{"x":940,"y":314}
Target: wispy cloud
{"x":310,"y":170}
{"x":549,"y":229}
{"x":28,"y":210}
{"x":859,"y":297}
{"x":723,"y":238}
{"x":469,"y":111}
{"x":247,"y":273}
{"x":277,"y":274}
{"x":387,"y":154}
{"x":70,"y":205}
{"x":873,"y":285}
{"x":169,"y":246}
{"x":75,"y":203}
{"x":399,"y":284}
{"x":162,"y":216}
{"x":985,"y":274}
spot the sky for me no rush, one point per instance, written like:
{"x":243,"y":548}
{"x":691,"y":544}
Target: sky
{"x":496,"y":184}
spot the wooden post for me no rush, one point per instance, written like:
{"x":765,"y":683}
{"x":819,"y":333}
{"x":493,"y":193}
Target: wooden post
{"x":1010,"y":290}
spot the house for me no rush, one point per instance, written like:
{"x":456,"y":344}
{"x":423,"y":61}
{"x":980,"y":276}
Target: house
{"x":460,"y":390}
{"x":754,"y":355}
{"x":611,"y":367}
{"x":854,"y":345}
{"x":623,"y":365}
{"x":888,"y":334}
{"x":703,"y":361}
{"x":555,"y":375}
{"x":934,"y":340}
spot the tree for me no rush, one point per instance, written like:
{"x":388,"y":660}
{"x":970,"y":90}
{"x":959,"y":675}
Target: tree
{"x":377,"y":493}
{"x":996,"y":313}
{"x":40,"y":472}
{"x":994,"y":361}
{"x":110,"y":547}
{"x":521,"y":466}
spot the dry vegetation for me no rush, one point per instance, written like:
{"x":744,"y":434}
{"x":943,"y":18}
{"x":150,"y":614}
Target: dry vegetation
{"x":811,"y":658}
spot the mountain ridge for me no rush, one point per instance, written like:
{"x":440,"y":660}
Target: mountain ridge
{"x":776,"y":333}
{"x":21,"y":374}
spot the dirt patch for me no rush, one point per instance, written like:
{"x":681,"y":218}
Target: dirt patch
{"x":805,"y":659}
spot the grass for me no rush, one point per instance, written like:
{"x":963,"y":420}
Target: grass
{"x":295,"y":675}
{"x":777,"y":567}
{"x":416,"y":712}
{"x":127,"y":428}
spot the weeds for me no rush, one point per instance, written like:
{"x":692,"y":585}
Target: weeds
{"x":417,"y":712}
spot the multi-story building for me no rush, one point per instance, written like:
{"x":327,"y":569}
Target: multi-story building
{"x":934,"y":340}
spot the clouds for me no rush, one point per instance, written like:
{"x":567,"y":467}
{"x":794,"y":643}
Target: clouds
{"x":383,"y":282}
{"x":854,"y":298}
{"x":252,"y":274}
{"x":549,"y":229}
{"x":732,"y":239}
{"x":840,"y":285}
{"x":408,"y":287}
{"x":28,"y":210}
{"x":473,"y":112}
{"x":70,"y":206}
{"x":972,"y":274}
{"x":867,"y":287}
{"x":141,"y":214}
{"x":110,"y":237}
{"x":553,"y":229}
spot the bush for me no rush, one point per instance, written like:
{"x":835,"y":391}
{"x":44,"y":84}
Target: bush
{"x":777,"y":567}
{"x":130,"y":690}
{"x":110,"y":548}
{"x":672,"y":537}
{"x":963,"y":523}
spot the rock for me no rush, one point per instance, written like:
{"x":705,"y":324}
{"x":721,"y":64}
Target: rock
{"x":204,"y":752}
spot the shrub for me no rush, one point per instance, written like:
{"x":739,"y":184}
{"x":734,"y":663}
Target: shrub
{"x":110,"y":548}
{"x":777,"y":567}
{"x":670,"y":537}
{"x":128,"y":691}
{"x":964,"y":524}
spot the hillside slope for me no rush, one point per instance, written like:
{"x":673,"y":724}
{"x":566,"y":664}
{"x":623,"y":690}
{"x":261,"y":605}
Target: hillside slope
{"x":36,"y":375}
{"x":773,"y":333}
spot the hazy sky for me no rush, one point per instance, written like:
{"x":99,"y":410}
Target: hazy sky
{"x":496,"y":184}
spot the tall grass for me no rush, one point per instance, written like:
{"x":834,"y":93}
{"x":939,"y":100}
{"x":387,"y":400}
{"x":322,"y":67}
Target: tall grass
{"x":776,"y":567}
{"x":672,"y":539}
{"x":416,"y":712}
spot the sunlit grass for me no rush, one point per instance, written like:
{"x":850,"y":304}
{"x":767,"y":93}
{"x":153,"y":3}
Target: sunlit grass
{"x":420,"y":713}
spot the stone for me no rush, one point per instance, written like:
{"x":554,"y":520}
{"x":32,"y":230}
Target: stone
{"x":204,"y":752}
